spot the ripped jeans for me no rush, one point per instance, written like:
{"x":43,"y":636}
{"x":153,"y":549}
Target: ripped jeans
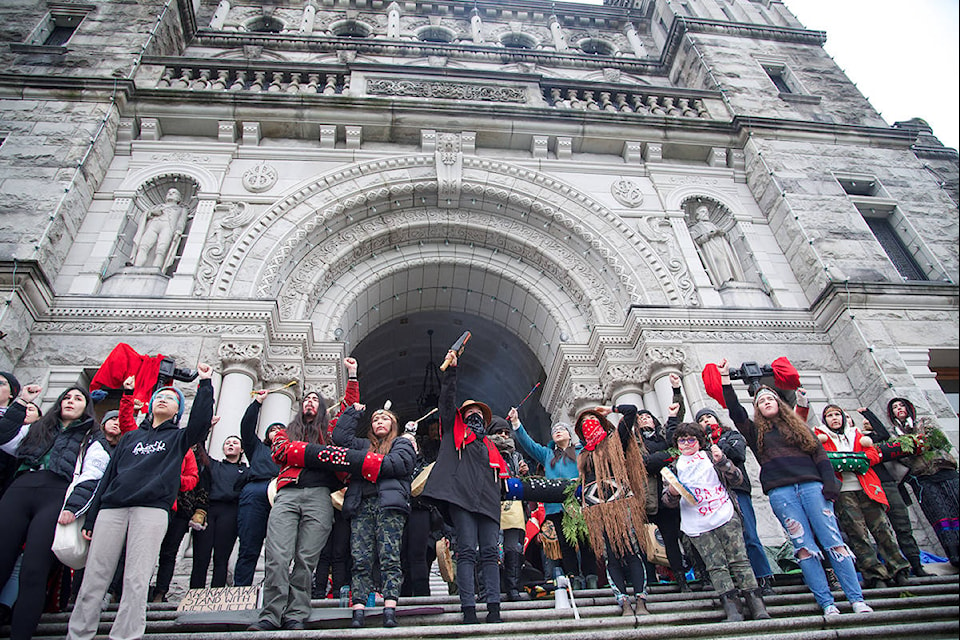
{"x":808,"y":517}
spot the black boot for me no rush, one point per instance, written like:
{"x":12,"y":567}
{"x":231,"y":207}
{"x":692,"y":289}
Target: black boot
{"x":493,"y":612}
{"x":682,"y":584}
{"x":917,"y":567}
{"x":901,"y":578}
{"x":755,"y":606}
{"x":389,"y":617}
{"x":357,"y":622}
{"x":469,"y":615}
{"x":731,"y":606}
{"x":766,"y":586}
{"x":512,"y":563}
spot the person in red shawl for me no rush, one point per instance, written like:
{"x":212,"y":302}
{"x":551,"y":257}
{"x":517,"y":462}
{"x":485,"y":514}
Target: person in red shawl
{"x":466,"y":480}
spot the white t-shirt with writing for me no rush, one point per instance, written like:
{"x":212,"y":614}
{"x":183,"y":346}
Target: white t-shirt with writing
{"x":713,"y":508}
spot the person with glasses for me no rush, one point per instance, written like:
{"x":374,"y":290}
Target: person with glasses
{"x":709,"y":517}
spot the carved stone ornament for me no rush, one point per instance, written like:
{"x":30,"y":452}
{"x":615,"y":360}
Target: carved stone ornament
{"x":449,"y":156}
{"x":627,"y":193}
{"x":260,"y":178}
{"x":445,"y":90}
{"x":240,"y":352}
{"x":280,"y":371}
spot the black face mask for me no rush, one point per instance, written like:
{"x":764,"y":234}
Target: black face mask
{"x":475,"y":422}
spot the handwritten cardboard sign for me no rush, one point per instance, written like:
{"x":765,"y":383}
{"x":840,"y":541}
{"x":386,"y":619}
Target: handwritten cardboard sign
{"x":220,"y":599}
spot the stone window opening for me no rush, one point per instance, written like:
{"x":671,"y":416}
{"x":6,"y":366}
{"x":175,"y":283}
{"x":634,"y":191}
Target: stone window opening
{"x":350,"y":29}
{"x":597,"y":47}
{"x":59,"y":25}
{"x":881,"y":221}
{"x":265,"y":24}
{"x":516,"y":40}
{"x":434,"y":33}
{"x":776,"y":75}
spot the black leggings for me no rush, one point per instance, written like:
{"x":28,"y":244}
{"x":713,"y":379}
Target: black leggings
{"x":29,"y":511}
{"x":335,"y":558}
{"x":413,"y":555}
{"x":218,"y":538}
{"x":668,"y":521}
{"x":587,"y":563}
{"x":177,"y":527}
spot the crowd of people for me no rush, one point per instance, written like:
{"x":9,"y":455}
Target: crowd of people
{"x":341,"y":504}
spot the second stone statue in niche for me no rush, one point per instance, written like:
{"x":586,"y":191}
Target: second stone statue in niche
{"x":160,"y":232}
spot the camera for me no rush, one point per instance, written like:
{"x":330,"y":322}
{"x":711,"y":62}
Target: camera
{"x":753,"y":374}
{"x":170,"y":372}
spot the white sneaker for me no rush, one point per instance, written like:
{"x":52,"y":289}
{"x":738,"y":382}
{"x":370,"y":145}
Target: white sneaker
{"x":831,"y":610}
{"x":862,"y":607}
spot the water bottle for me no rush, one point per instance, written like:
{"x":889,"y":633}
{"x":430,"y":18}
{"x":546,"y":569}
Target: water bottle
{"x":371,"y":600}
{"x":560,"y":598}
{"x":344,"y":596}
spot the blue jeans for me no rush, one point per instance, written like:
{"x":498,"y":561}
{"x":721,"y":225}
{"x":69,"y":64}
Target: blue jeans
{"x":756,"y":554}
{"x":808,"y":517}
{"x":252,"y":516}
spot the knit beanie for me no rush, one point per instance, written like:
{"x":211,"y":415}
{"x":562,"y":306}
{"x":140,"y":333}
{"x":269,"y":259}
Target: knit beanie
{"x":574,"y":440}
{"x":110,"y":415}
{"x":13,"y":382}
{"x":706,"y":411}
{"x":182,"y":401}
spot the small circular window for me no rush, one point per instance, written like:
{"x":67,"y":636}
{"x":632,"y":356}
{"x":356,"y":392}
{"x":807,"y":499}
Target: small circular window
{"x":436,"y":34}
{"x":597,"y":47}
{"x":516,"y":40}
{"x":265,"y":24}
{"x":350,"y":29}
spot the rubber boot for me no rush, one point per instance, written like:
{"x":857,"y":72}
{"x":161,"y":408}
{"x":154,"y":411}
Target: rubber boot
{"x":731,"y":606}
{"x":917,"y":567}
{"x":389,"y":617}
{"x":493,"y":612}
{"x":469,"y":615}
{"x":755,"y":606}
{"x":626,"y":608}
{"x":357,"y":622}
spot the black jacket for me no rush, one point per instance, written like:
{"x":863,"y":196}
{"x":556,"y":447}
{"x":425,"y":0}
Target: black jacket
{"x":396,"y":470}
{"x":463,"y":478}
{"x":145,"y":468}
{"x":262,"y":466}
{"x":223,"y":480}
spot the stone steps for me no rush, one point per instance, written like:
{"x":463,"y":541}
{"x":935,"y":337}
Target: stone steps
{"x":928,"y":608}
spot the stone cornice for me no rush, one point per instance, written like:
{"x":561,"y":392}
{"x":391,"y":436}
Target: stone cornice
{"x":682,"y":25}
{"x":87,"y":88}
{"x":838,"y":297}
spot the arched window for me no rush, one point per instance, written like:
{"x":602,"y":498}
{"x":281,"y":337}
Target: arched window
{"x":350,"y":29}
{"x":434,"y":33}
{"x":597,"y":47}
{"x":265,"y":24}
{"x":515,"y":40}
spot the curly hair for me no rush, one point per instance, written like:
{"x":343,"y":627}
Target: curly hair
{"x":691,"y":429}
{"x":794,"y":430}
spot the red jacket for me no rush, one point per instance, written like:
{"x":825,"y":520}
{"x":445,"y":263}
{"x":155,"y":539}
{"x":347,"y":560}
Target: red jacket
{"x":291,"y":465}
{"x":869,"y":481}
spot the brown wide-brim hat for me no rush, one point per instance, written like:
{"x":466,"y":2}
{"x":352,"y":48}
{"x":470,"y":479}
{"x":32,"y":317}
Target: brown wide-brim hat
{"x":606,"y":424}
{"x":484,"y":409}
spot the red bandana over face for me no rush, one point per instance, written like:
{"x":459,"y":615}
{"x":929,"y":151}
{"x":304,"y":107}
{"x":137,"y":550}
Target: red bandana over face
{"x":593,"y":433}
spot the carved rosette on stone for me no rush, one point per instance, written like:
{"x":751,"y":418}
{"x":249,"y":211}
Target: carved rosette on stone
{"x":243,"y":356}
{"x":627,"y":192}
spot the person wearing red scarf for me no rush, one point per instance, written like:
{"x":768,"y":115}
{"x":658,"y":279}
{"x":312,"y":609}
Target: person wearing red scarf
{"x":466,"y":481}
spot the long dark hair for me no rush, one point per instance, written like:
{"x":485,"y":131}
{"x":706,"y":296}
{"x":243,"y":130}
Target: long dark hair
{"x":378,"y":445}
{"x":312,"y":431}
{"x":45,"y":430}
{"x":794,"y":430}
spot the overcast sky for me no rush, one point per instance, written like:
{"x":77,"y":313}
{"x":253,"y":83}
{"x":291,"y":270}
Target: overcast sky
{"x":903,"y":56}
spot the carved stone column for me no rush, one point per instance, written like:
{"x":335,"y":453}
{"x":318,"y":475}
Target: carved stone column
{"x":239,"y":364}
{"x":278,"y":406}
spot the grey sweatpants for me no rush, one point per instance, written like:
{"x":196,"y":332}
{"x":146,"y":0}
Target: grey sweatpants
{"x":143,"y":528}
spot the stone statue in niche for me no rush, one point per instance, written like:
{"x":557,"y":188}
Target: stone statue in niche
{"x":159,"y":234}
{"x":718,"y":257}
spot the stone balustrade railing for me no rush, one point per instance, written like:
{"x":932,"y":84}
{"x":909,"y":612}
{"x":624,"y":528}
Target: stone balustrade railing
{"x":642,"y":101}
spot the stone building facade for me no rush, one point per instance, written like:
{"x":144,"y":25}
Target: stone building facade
{"x":603,"y":195}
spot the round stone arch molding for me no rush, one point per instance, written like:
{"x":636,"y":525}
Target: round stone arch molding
{"x":676,"y":198}
{"x":540,"y":233}
{"x":208,"y":183}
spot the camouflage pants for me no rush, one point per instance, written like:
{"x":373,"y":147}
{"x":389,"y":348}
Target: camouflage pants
{"x":859,"y":517}
{"x":900,"y":521}
{"x":375,"y":535}
{"x":725,"y":556}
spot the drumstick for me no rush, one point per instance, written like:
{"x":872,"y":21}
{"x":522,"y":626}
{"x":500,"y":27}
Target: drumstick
{"x":289,"y":384}
{"x":427,"y":414}
{"x":528,"y":395}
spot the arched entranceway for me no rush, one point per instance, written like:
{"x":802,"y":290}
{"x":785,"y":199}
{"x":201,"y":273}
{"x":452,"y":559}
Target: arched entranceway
{"x":497,"y":366}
